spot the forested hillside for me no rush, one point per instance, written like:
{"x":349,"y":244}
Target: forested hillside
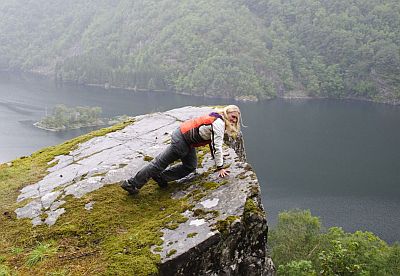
{"x":237,"y":48}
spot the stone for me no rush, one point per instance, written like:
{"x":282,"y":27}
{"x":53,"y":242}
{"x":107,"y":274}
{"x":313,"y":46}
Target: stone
{"x":226,"y":239}
{"x":89,"y":206}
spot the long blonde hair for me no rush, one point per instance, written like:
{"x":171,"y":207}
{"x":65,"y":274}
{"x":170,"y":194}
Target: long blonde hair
{"x":232,"y":129}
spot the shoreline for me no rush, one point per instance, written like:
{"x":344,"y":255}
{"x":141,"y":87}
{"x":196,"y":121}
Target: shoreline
{"x":38,"y":125}
{"x":103,"y":122}
{"x":247,"y":98}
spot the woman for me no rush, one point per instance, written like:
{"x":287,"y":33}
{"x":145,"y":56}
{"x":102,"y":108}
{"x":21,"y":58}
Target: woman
{"x":200,"y":131}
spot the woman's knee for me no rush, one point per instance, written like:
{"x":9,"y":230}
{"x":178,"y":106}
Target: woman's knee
{"x":191,"y":167}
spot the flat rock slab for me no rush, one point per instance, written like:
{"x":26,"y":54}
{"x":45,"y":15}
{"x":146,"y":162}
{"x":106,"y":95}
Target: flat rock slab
{"x":101,"y":161}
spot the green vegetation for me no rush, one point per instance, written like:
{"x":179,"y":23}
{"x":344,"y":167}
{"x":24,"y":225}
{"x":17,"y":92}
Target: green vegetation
{"x":171,"y":252}
{"x":223,"y":225}
{"x":204,"y":214}
{"x":251,"y":207}
{"x":213,"y":185}
{"x":4,"y":270}
{"x":192,"y":235}
{"x":40,"y":253}
{"x":241,"y":48}
{"x":299,"y":247}
{"x":63,"y":117}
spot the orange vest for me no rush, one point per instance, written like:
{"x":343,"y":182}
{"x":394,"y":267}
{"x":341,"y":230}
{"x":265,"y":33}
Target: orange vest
{"x":190,"y":129}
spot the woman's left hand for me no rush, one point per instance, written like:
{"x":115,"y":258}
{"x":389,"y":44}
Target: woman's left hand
{"x":223,"y":173}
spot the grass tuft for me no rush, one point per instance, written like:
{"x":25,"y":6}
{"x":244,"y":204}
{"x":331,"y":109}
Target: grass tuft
{"x":17,"y":250}
{"x":4,"y":270}
{"x":41,"y":252}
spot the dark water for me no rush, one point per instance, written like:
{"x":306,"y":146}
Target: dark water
{"x":340,"y":159}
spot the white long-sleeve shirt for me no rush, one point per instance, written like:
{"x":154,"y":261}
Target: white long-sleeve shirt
{"x":218,"y":127}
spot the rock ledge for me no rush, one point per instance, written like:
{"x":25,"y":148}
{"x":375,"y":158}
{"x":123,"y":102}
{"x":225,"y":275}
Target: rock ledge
{"x":226,"y":228}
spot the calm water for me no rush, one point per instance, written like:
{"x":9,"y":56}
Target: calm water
{"x":340,"y":159}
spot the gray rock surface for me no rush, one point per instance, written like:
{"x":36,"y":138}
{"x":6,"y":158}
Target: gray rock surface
{"x":198,"y":246}
{"x":100,"y":161}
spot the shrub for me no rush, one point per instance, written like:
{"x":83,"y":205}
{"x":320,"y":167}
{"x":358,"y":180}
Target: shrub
{"x":298,"y":268}
{"x":300,"y":248}
{"x":295,"y":237}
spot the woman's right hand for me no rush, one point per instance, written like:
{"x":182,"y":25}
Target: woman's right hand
{"x":223,"y":173}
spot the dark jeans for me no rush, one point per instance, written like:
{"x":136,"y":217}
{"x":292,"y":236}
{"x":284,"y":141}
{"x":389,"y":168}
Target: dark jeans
{"x":178,"y":149}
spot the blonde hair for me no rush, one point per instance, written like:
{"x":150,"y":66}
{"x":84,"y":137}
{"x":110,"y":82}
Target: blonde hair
{"x":232,"y":129}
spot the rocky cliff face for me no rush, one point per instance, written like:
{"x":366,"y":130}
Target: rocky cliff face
{"x":201,"y":225}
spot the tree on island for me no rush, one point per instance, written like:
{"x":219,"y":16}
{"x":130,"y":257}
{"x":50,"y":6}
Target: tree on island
{"x":64,"y":117}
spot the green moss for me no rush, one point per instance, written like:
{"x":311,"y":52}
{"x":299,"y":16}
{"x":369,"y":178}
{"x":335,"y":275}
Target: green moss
{"x":182,"y":219}
{"x":171,"y":252}
{"x":199,"y":196}
{"x":178,"y":219}
{"x":147,"y":158}
{"x":211,"y":185}
{"x":172,"y":226}
{"x":223,"y":226}
{"x":214,"y":185}
{"x":201,"y":152}
{"x":215,"y":213}
{"x":192,"y":235}
{"x":158,"y":249}
{"x":200,"y":213}
{"x":250,"y":207}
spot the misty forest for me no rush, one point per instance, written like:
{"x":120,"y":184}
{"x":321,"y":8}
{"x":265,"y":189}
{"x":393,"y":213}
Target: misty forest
{"x":255,"y":49}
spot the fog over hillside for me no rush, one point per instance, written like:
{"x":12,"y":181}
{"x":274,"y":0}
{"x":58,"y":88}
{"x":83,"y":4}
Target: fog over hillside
{"x":240,"y":48}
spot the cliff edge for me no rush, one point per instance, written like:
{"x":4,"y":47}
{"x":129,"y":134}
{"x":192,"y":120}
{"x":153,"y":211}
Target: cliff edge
{"x":64,"y":211}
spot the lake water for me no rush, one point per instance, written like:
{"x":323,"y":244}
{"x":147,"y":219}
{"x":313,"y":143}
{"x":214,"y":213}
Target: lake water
{"x":340,"y":159}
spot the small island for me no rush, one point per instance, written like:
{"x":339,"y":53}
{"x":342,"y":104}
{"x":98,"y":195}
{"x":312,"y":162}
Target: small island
{"x":66,"y":118}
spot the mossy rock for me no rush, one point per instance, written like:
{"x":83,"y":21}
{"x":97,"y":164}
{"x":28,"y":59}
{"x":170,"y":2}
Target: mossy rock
{"x":120,"y":234}
{"x":113,"y":238}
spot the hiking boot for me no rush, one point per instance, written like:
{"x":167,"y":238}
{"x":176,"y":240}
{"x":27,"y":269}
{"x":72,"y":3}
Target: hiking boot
{"x":160,"y":181}
{"x":131,"y":189}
